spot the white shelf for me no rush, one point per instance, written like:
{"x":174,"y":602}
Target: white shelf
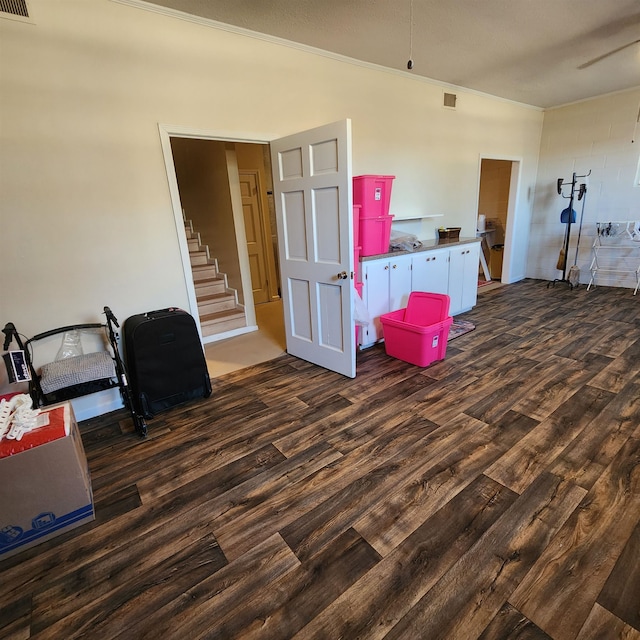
{"x":621,"y":239}
{"x":432,"y":215}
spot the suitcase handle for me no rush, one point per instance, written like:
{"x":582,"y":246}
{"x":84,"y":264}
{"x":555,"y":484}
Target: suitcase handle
{"x":152,"y":314}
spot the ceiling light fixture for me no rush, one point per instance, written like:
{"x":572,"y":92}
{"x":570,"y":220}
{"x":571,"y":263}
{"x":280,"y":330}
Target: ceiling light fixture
{"x":410,"y":62}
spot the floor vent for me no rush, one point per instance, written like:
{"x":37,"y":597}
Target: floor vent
{"x":450,"y":100}
{"x":14,"y":8}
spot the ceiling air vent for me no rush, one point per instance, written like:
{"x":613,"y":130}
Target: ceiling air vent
{"x":450,"y":100}
{"x":17,"y":9}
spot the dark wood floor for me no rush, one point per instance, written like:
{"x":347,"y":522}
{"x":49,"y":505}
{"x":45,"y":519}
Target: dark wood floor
{"x":493,"y":495}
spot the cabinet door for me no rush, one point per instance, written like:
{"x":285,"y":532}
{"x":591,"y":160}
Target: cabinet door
{"x":399,"y":282}
{"x":430,"y":271}
{"x":470,"y":277}
{"x":456,"y":285}
{"x":376,"y":297}
{"x":463,"y":277}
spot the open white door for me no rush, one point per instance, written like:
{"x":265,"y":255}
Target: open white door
{"x":313,"y":196}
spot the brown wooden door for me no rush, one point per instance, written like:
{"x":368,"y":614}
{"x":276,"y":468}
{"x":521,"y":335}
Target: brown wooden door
{"x":252,"y":211}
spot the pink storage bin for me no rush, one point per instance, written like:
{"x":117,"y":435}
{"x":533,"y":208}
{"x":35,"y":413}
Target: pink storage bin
{"x":356,"y":224}
{"x":357,"y":252}
{"x":415,"y":344}
{"x":375,"y":234}
{"x":418,"y":334}
{"x":373,"y":193}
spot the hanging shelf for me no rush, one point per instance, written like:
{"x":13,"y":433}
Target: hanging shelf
{"x":420,"y":217}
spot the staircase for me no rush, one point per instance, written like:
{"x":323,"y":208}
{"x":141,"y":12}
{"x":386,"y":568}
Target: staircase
{"x":218,"y":306}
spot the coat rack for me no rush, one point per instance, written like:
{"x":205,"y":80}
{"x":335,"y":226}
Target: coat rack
{"x":562,"y":191}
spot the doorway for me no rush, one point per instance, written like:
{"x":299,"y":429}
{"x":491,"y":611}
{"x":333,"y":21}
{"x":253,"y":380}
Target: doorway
{"x":314,"y":237}
{"x":217,"y":180}
{"x":206,"y":189}
{"x":268,"y":341}
{"x":496,"y":207}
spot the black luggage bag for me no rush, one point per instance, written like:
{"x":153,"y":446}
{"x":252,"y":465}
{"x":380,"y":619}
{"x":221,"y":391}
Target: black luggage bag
{"x":165,"y":360}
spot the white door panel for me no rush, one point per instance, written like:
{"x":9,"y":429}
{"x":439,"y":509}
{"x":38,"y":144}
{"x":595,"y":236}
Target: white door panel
{"x":312,"y":186}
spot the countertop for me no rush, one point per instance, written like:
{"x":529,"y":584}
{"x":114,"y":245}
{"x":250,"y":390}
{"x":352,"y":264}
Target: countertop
{"x":427,"y":245}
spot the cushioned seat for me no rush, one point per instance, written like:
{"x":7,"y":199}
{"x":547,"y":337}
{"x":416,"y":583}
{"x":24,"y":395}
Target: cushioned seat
{"x":76,"y":370}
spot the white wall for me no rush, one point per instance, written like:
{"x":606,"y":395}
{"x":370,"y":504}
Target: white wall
{"x":592,"y":135}
{"x":86,"y":217}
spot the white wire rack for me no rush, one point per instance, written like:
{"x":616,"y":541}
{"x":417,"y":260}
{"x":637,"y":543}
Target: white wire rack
{"x":616,"y":250}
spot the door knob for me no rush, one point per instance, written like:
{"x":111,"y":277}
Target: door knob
{"x":343,"y":275}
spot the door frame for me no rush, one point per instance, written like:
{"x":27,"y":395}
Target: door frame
{"x":176,"y":131}
{"x":512,"y":212}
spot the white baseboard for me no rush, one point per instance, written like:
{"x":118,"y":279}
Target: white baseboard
{"x":96,"y":404}
{"x":229,"y":334}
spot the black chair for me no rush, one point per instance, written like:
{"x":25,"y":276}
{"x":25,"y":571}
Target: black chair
{"x":77,"y":375}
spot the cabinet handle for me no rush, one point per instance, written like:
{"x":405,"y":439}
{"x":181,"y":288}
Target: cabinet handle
{"x":394,"y":266}
{"x":386,"y":267}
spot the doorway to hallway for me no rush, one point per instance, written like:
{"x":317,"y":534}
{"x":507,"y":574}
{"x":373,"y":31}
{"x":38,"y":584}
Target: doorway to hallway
{"x":496,"y":209}
{"x":314,"y":236}
{"x":224,"y":188}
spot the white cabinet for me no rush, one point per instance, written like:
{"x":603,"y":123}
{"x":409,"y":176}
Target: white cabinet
{"x":399,"y":282}
{"x":387,"y":284}
{"x":430,"y":271}
{"x":463,"y":277}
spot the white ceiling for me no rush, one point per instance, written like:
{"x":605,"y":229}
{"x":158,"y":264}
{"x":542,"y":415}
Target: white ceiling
{"x":538,"y":52}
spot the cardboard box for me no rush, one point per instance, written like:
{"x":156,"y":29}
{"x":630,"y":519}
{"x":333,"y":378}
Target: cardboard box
{"x":45,"y":487}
